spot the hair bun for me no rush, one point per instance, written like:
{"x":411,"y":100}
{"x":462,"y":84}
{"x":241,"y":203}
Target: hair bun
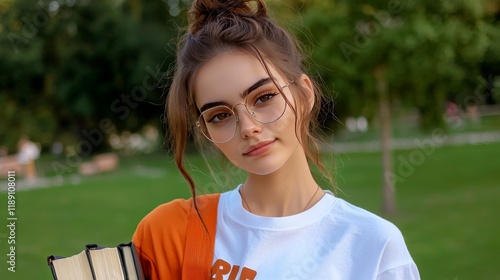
{"x":205,"y":11}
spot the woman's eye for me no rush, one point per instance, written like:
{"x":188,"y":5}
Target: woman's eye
{"x":219,"y":117}
{"x":266,"y":97}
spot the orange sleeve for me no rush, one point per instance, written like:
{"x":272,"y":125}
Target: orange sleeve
{"x":160,"y":238}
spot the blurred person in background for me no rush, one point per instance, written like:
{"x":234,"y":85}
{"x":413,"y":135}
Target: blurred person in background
{"x":28,"y":152}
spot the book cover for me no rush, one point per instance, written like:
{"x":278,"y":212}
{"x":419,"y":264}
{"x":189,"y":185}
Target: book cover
{"x":132,"y":262}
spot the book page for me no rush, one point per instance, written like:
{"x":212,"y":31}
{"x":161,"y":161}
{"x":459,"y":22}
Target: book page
{"x":106,"y":263}
{"x":73,"y":268}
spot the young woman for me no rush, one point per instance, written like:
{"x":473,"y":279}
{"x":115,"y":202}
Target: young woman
{"x":239,"y":84}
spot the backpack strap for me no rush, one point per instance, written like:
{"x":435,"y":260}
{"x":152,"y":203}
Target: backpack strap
{"x":199,"y":247}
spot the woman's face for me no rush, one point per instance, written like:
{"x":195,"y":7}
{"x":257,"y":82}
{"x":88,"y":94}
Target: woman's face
{"x":258,"y":148}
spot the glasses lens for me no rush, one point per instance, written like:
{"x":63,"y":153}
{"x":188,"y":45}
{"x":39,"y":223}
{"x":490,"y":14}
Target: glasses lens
{"x":218,"y":124}
{"x":266,"y":107}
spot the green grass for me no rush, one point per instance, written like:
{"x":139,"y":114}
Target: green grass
{"x":447,"y":209}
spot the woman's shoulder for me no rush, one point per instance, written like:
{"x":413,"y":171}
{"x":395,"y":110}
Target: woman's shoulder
{"x":165,"y":223}
{"x":160,"y":237}
{"x":363,"y":221}
{"x":395,"y":261}
{"x":177,"y":210}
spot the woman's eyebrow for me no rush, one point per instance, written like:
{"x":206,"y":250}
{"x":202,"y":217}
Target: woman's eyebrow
{"x":244,"y":94}
{"x":255,"y":86}
{"x":212,"y":104}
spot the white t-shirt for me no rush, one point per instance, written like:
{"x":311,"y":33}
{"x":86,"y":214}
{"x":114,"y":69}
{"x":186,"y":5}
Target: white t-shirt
{"x":29,"y":151}
{"x":331,"y":240}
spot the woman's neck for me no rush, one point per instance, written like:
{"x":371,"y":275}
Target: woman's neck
{"x":288,"y":191}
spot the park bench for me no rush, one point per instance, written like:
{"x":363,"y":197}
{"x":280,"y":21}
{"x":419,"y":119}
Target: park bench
{"x":99,"y":163}
{"x":10,"y":163}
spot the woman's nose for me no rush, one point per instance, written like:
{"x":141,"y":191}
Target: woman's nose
{"x":247,"y":123}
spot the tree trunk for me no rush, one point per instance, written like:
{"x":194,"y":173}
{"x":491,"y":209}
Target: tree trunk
{"x":389,"y":204}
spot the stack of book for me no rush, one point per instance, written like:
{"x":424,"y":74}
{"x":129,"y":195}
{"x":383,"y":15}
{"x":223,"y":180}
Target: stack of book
{"x":98,"y":263}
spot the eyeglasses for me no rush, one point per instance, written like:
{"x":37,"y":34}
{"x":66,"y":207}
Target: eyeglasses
{"x":219,"y":124}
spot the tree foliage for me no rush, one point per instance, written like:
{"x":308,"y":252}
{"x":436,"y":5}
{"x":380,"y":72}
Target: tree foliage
{"x":431,"y":51}
{"x":67,"y":67}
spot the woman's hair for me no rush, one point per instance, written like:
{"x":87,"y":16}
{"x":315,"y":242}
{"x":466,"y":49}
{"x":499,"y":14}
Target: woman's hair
{"x":216,"y":27}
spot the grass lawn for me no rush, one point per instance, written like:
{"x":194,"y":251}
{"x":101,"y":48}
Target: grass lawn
{"x":448,"y":208}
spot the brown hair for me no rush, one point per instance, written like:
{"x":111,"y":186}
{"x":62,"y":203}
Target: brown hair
{"x":216,"y":27}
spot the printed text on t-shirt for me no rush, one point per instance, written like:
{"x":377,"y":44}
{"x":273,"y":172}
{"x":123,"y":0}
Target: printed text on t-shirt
{"x":222,"y":270}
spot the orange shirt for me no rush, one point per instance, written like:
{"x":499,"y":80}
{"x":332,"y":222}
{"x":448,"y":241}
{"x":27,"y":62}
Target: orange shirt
{"x":160,"y":237}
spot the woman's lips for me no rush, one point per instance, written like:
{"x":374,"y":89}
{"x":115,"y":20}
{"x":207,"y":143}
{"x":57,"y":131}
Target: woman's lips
{"x":259,"y":148}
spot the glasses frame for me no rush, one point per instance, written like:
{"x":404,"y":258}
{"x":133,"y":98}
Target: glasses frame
{"x":251,"y":113}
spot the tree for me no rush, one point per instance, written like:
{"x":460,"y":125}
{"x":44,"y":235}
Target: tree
{"x":417,"y":53}
{"x":27,"y":107}
{"x":66,"y":67}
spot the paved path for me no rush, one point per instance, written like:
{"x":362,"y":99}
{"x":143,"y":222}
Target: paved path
{"x":461,"y":139}
{"x":23,"y":184}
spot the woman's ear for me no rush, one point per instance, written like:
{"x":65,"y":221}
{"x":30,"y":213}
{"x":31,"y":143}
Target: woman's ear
{"x":307,"y":84}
